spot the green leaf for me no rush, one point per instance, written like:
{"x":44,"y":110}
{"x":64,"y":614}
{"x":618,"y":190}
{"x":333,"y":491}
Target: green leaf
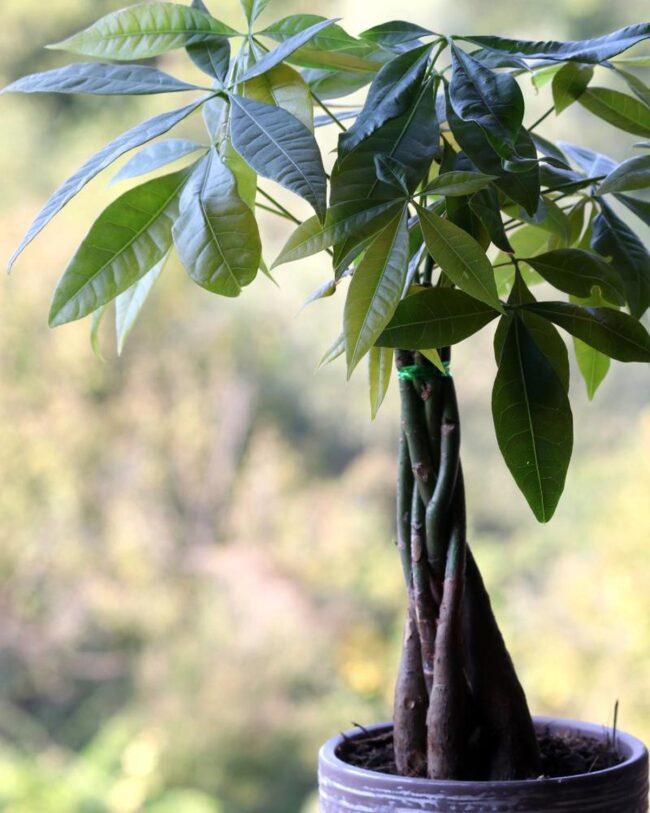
{"x":245,"y":177}
{"x":155,"y":156}
{"x":324,"y":291}
{"x":593,"y":366}
{"x":641,"y":208}
{"x":435,"y":317}
{"x":100,"y":79}
{"x":593,"y":50}
{"x":631,"y":174}
{"x":391,"y":94}
{"x":611,"y":237}
{"x":333,"y":84}
{"x":493,"y":101}
{"x":638,"y":87}
{"x":460,"y":257}
{"x":612,"y":332}
{"x":454,"y":183}
{"x":127,"y":240}
{"x":212,"y":57}
{"x":129,"y":304}
{"x":569,"y":83}
{"x":284,"y":87}
{"x":140,"y":134}
{"x":380,"y":367}
{"x":285,"y":49}
{"x":485,"y":205}
{"x":337,"y":349}
{"x":576,"y":272}
{"x":216,"y":234}
{"x":394,"y":33}
{"x":362,"y":218}
{"x":619,"y":109}
{"x":276,"y":145}
{"x":375,"y":289}
{"x":392,"y":172}
{"x":412,"y":139}
{"x":96,"y":323}
{"x":144,"y":31}
{"x":533,"y":422}
{"x":253,"y":9}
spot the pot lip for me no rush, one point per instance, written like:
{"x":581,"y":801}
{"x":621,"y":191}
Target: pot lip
{"x":636,"y":755}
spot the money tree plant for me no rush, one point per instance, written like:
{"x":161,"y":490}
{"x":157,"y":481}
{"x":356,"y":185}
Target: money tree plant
{"x":443,"y":210}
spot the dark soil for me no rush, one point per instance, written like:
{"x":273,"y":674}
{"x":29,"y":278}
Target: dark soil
{"x":561,"y":756}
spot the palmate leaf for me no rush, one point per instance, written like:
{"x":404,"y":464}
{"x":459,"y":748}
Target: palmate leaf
{"x":460,"y":257}
{"x":253,"y":9}
{"x":593,"y":50}
{"x":285,"y":88}
{"x":533,"y":421}
{"x":375,"y":289}
{"x":129,"y":303}
{"x":607,"y":330}
{"x":125,"y":242}
{"x":631,"y":174}
{"x":144,"y":31}
{"x":101,"y":79}
{"x":391,"y":94}
{"x":612,"y":238}
{"x":435,"y":317}
{"x":276,"y":145}
{"x":285,"y":49}
{"x":155,"y":156}
{"x":569,"y":83}
{"x":140,"y":134}
{"x":576,"y":272}
{"x":618,"y":109}
{"x":212,"y":57}
{"x":216,"y":234}
{"x":380,"y":368}
{"x":491,"y":100}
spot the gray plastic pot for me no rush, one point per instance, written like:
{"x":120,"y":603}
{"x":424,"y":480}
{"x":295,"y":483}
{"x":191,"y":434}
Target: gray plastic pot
{"x":622,"y":789}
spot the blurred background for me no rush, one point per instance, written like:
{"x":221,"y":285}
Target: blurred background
{"x":198,"y":583}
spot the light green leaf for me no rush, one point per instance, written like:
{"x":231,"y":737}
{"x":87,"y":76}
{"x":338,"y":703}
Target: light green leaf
{"x":375,"y":289}
{"x":96,"y":323}
{"x":435,"y":317}
{"x":631,"y":174}
{"x":576,"y":272}
{"x":253,"y":8}
{"x":380,"y":367}
{"x":533,"y":422}
{"x":126,"y":241}
{"x":460,"y":257}
{"x":325,"y":290}
{"x":283,"y":87}
{"x":593,"y":366}
{"x":155,"y":156}
{"x":570,"y":83}
{"x":129,"y":304}
{"x":636,"y":85}
{"x":619,"y":109}
{"x":216,"y":234}
{"x":279,"y":147}
{"x":453,"y":184}
{"x":144,"y":31}
{"x":337,"y":349}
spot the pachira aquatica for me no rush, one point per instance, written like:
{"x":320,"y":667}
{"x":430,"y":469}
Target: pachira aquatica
{"x":441,"y":211}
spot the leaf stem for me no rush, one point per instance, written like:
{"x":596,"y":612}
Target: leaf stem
{"x":541,"y":119}
{"x":332,"y":115}
{"x":286,"y":213}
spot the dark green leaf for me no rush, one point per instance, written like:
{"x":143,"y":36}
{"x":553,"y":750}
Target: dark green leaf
{"x":211,"y":57}
{"x":607,"y":330}
{"x":155,"y":156}
{"x":391,"y":94}
{"x":216,"y":234}
{"x":143,"y":31}
{"x":395,"y":34}
{"x":594,"y":50}
{"x":638,"y":87}
{"x":285,"y":49}
{"x":631,"y":174}
{"x":460,"y":257}
{"x":276,"y":145}
{"x":569,"y":83}
{"x":380,"y":367}
{"x":493,"y":101}
{"x":613,"y":238}
{"x":435,"y":317}
{"x":356,"y":217}
{"x":456,"y":183}
{"x":533,"y":421}
{"x":375,"y":289}
{"x":576,"y":272}
{"x":619,"y":109}
{"x":127,"y":240}
{"x":641,"y":208}
{"x":392,"y":172}
{"x":140,"y":134}
{"x":100,"y":79}
{"x":129,"y":303}
{"x":485,"y":205}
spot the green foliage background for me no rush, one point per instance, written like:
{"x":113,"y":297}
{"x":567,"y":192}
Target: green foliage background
{"x":197,"y":582}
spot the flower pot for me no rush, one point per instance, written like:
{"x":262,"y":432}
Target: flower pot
{"x":621,"y":789}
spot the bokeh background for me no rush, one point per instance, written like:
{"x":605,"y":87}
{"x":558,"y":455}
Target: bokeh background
{"x":197,"y":578}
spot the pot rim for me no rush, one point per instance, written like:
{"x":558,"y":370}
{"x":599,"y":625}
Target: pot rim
{"x":633,"y":750}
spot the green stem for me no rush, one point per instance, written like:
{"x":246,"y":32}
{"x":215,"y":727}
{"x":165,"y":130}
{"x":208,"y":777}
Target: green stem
{"x":332,"y":115}
{"x":404,"y":493}
{"x":279,"y":206}
{"x":541,"y":119}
